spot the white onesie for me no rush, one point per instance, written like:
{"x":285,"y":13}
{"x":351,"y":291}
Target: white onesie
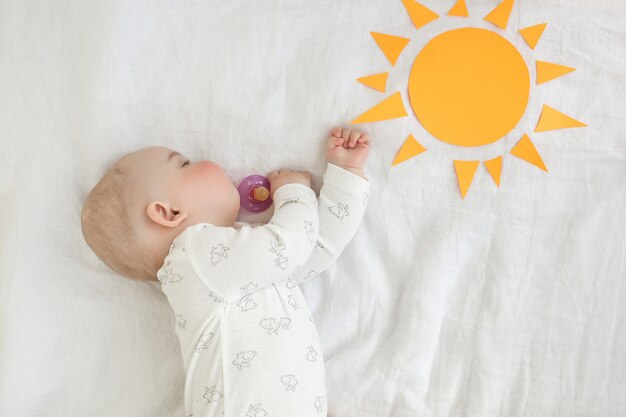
{"x":249,"y":344}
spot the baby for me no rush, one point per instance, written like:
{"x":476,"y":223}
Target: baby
{"x":248,"y":341}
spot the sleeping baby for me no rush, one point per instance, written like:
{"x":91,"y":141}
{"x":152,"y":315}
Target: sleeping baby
{"x":248,"y":341}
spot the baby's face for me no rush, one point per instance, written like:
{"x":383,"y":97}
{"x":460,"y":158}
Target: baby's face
{"x":175,"y":192}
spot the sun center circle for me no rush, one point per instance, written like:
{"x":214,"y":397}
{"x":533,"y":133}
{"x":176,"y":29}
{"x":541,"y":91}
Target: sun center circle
{"x":469,"y":86}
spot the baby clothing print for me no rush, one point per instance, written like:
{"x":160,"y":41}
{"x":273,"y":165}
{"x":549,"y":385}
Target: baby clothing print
{"x":249,"y":345}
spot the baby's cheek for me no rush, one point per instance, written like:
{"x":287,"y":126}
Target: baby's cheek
{"x":201,"y":171}
{"x":207,"y":166}
{"x":209,"y":176}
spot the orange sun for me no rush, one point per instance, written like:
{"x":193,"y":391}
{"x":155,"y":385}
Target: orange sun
{"x":468,"y":87}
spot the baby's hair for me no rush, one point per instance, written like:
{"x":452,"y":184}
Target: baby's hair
{"x":108,"y":228}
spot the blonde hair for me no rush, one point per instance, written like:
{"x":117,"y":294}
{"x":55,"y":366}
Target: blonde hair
{"x":108,"y":229}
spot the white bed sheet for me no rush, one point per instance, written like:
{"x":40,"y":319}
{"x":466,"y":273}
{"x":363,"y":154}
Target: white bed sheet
{"x":510,"y":302}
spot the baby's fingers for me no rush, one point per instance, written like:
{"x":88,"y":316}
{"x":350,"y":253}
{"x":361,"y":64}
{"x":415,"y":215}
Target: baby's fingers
{"x":336,"y":131}
{"x":333,"y":142}
{"x":354,"y":136}
{"x":365,"y":139}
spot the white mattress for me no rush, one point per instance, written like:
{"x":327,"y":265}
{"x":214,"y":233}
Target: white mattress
{"x":510,"y":302}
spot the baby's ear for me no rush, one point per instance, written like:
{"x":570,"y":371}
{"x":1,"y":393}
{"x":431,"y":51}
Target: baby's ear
{"x":164,"y":214}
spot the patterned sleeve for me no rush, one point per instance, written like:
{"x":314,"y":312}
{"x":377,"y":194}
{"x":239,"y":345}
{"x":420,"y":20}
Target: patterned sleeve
{"x":234,"y":262}
{"x":342,"y":202}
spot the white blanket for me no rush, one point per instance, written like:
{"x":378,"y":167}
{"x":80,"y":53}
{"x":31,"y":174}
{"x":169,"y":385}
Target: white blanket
{"x":510,"y":302}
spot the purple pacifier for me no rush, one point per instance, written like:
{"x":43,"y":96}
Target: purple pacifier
{"x":254,"y":191}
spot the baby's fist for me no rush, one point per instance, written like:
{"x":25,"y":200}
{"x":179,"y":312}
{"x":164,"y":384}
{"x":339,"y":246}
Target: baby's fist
{"x":287,"y":176}
{"x":348,"y":148}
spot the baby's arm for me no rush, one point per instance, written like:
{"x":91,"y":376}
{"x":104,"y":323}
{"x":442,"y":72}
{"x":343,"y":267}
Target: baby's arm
{"x":234,"y":262}
{"x":342,"y":202}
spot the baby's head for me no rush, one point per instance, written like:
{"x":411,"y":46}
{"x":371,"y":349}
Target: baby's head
{"x":148,"y":197}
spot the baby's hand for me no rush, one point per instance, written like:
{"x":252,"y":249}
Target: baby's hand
{"x":348,"y":149}
{"x":287,"y":176}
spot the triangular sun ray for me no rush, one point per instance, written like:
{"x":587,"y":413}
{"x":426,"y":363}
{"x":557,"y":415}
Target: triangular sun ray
{"x":552,"y":119}
{"x":391,"y":45}
{"x":465,"y":171}
{"x":547,"y":71}
{"x":376,"y":81}
{"x":526,"y":150}
{"x":410,"y":148}
{"x":459,"y":9}
{"x":419,"y":14}
{"x":532,"y":34}
{"x":494,"y":166}
{"x":500,"y":15}
{"x":390,"y":108}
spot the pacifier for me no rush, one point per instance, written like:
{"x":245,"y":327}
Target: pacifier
{"x":254,"y":192}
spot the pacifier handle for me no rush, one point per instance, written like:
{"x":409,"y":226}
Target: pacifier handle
{"x":254,"y":192}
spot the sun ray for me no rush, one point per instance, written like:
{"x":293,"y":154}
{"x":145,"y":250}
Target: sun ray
{"x":465,"y":171}
{"x":500,"y":15}
{"x":547,"y":71}
{"x":526,"y":150}
{"x":376,"y":81}
{"x":532,"y":34}
{"x":391,"y":45}
{"x":419,"y":14}
{"x":390,"y":108}
{"x":494,"y":166}
{"x":410,"y":148}
{"x":459,"y":9}
{"x":552,"y":119}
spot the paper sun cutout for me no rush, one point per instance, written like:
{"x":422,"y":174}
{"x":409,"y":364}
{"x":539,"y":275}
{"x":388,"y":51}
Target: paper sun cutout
{"x":468,"y":87}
